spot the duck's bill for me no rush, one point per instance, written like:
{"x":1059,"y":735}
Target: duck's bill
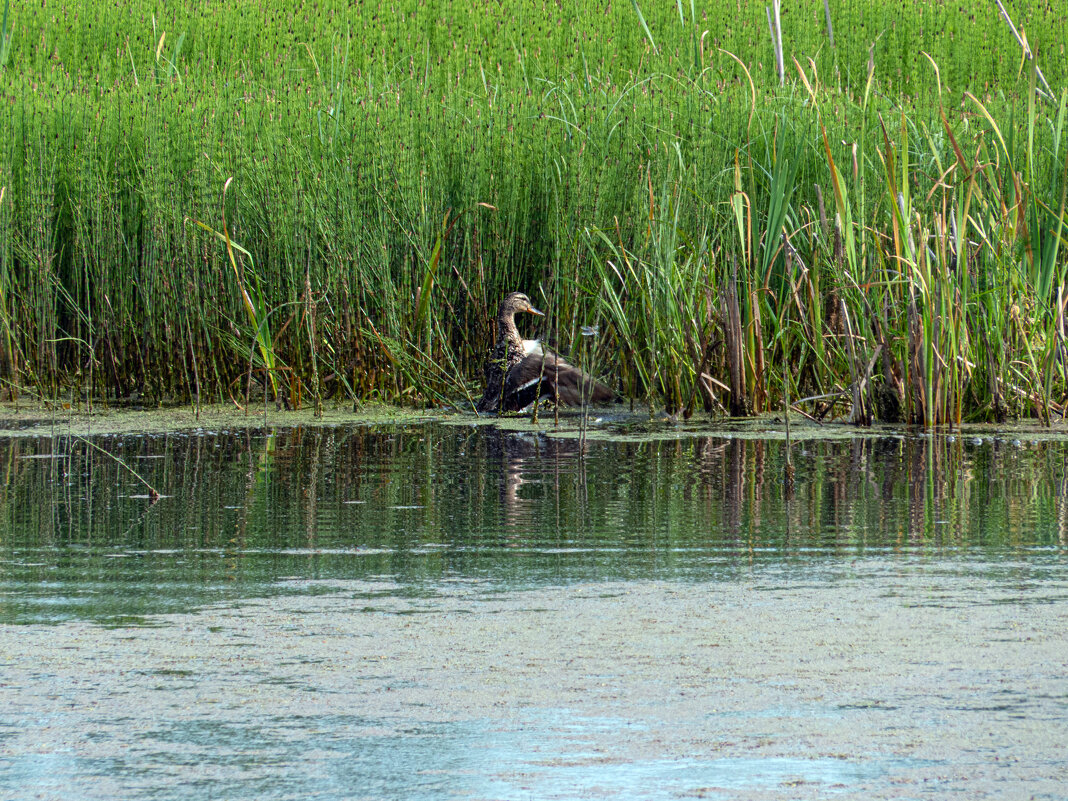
{"x":532,"y":310}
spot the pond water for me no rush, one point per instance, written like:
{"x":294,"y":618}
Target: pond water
{"x":445,"y":609}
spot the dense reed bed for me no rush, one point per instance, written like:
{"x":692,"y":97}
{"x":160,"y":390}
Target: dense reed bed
{"x":329,"y":200}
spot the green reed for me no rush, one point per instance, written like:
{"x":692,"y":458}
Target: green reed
{"x":888,"y":231}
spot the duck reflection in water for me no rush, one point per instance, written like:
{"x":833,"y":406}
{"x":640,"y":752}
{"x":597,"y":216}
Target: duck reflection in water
{"x":532,"y":468}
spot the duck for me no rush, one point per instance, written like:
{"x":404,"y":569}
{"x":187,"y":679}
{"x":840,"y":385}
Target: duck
{"x":520,"y":371}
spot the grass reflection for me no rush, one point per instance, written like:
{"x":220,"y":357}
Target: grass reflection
{"x":419,"y":503}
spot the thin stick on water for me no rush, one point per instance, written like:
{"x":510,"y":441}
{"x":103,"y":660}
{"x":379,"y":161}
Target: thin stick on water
{"x":589,"y":332}
{"x":153,"y":493}
{"x":582,"y":399}
{"x":788,"y":471}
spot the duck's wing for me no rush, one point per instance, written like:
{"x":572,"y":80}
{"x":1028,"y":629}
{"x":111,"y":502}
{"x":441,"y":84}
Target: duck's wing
{"x":543,"y":373}
{"x":574,"y":387}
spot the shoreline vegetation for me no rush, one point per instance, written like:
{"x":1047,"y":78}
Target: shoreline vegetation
{"x":329,"y":200}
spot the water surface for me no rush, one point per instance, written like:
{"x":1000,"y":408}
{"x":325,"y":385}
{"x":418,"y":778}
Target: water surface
{"x":429,"y":610}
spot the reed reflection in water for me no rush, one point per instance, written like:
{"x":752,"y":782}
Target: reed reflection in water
{"x":316,"y":611}
{"x":392,"y":491}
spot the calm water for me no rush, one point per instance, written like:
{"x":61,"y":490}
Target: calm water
{"x":448,"y":610}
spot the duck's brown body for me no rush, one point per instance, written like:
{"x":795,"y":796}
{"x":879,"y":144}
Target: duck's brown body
{"x":520,"y":372}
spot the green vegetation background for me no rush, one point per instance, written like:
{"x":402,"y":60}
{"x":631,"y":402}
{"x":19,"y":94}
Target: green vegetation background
{"x":335,"y":195}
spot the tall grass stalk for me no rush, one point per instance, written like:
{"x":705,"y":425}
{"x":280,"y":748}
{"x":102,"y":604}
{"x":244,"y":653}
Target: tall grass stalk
{"x":889,"y":232}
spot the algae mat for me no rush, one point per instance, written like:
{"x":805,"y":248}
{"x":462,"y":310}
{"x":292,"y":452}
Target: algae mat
{"x":54,"y":420}
{"x":613,"y":423}
{"x":874,"y":679}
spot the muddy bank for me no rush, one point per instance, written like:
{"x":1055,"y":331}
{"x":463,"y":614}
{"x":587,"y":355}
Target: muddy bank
{"x":869,"y":680}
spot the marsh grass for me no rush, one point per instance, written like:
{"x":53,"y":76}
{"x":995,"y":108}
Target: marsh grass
{"x":886,"y":225}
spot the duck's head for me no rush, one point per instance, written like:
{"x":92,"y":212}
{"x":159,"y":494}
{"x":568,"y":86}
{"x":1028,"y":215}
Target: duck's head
{"x":517,"y":302}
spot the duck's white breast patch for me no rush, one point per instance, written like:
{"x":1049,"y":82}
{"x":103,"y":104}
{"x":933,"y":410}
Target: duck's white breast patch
{"x":531,"y":346}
